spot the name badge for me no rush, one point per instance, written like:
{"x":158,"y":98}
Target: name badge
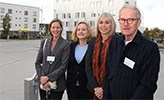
{"x":51,"y":58}
{"x":128,"y":62}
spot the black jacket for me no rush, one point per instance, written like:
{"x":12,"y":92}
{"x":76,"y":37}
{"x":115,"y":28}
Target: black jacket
{"x":132,"y":70}
{"x":76,"y":72}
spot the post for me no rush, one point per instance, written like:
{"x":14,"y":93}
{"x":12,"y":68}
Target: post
{"x":30,"y":89}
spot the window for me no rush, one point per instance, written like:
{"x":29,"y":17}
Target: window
{"x":127,"y":2}
{"x":69,"y":15}
{"x":75,"y":22}
{"x":34,"y":20}
{"x":25,"y":25}
{"x":2,"y":10}
{"x":34,"y":13}
{"x":93,"y":14}
{"x":26,"y":19}
{"x":113,"y":12}
{"x":92,"y":23}
{"x":67,"y":24}
{"x":34,"y":26}
{"x":63,"y":16}
{"x":77,"y":15}
{"x":25,"y":12}
{"x":10,"y":11}
{"x":82,"y":14}
{"x":56,"y":16}
{"x":1,"y":17}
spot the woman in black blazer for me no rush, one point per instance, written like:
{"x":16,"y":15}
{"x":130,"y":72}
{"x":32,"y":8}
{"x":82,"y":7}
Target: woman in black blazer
{"x":76,"y":76}
{"x":97,"y":53}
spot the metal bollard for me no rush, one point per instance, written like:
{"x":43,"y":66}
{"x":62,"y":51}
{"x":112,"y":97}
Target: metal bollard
{"x":30,"y":88}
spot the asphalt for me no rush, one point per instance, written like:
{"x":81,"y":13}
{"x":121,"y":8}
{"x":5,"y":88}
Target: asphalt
{"x":17,"y":59}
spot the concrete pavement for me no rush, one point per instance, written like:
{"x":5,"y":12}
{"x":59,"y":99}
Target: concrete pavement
{"x":17,"y":59}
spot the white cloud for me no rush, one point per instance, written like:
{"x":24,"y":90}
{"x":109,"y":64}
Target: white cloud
{"x":35,"y":3}
{"x":152,"y":10}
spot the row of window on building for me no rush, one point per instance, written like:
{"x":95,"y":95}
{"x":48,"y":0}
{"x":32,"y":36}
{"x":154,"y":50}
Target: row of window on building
{"x":71,"y":24}
{"x":18,"y":20}
{"x":10,"y":11}
{"x":83,"y":14}
{"x":19,"y":25}
{"x":77,"y":5}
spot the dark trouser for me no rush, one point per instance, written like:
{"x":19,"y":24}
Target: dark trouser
{"x":75,"y":93}
{"x":51,"y":95}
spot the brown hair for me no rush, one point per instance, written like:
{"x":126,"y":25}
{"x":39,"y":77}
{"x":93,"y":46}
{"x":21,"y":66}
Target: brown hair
{"x":54,"y":20}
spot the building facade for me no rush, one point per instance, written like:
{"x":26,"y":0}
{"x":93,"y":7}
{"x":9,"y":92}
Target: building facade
{"x":24,"y":19}
{"x":72,"y":11}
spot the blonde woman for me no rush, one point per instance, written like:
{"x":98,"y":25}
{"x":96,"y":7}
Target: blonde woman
{"x":97,"y":53}
{"x":76,"y":76}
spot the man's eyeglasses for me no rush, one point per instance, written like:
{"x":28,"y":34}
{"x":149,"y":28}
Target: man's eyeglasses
{"x":129,"y":20}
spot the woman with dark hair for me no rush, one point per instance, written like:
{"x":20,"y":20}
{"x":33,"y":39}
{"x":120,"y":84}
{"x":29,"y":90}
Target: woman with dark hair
{"x":51,"y":63}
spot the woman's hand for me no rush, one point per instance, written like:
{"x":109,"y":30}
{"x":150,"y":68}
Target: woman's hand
{"x":47,"y":86}
{"x":43,"y":80}
{"x":98,"y":92}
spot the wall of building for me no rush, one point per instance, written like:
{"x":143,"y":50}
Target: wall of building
{"x":71,"y":11}
{"x":23,"y":18}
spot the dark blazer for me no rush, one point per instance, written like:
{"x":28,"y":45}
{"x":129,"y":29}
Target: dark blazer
{"x":135,"y":78}
{"x":56,"y":70}
{"x":76,"y":71}
{"x":92,"y":82}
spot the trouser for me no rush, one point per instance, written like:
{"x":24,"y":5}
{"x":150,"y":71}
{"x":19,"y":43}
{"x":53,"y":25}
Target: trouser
{"x":76,"y":93}
{"x":51,"y":95}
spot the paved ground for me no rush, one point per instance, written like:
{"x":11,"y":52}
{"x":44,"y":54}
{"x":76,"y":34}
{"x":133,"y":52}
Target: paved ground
{"x":17,"y":59}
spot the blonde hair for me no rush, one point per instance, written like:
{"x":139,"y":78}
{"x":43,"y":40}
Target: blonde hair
{"x":74,"y":36}
{"x":113,"y":24}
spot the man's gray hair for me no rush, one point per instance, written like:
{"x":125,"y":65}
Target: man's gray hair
{"x":131,"y":7}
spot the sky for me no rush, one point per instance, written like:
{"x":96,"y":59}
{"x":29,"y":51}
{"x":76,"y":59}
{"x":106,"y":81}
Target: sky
{"x":152,"y":10}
